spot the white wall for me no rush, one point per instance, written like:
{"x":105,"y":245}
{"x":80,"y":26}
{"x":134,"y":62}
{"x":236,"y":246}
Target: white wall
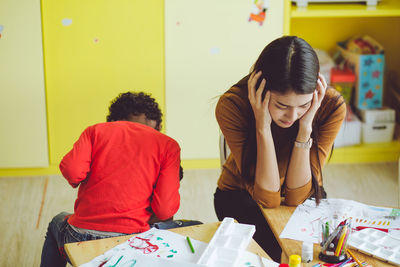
{"x":23,"y":129}
{"x":209,"y":46}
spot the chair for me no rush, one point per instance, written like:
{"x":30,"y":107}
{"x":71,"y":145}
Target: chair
{"x":224,"y":149}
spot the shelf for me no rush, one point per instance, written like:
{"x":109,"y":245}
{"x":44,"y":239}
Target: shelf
{"x":385,"y":8}
{"x":379,"y":152}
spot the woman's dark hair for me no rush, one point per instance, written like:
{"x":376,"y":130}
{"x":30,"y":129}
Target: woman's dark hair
{"x":288,"y":64}
{"x":129,"y":103}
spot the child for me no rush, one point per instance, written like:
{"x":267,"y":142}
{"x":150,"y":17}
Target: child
{"x":127,"y":172}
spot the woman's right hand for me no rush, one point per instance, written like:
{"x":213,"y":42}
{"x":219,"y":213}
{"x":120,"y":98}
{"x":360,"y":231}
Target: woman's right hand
{"x":260,"y":106}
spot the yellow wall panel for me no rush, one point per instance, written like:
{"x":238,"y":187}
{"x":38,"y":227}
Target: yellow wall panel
{"x":105,"y":48}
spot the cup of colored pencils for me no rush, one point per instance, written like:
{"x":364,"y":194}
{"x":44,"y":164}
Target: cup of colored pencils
{"x":334,"y":244}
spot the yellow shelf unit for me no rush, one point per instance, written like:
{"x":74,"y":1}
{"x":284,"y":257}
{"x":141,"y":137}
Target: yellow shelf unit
{"x":323,"y":25}
{"x":379,"y":152}
{"x":385,"y":8}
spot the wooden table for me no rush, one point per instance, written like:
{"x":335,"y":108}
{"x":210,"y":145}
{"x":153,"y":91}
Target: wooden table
{"x":278,"y":218}
{"x":83,"y":252}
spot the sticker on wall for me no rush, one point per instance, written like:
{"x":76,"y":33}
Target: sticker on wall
{"x":215,"y":50}
{"x":1,"y":30}
{"x":258,"y":11}
{"x":66,"y":22}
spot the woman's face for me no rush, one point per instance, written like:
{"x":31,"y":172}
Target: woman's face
{"x":285,"y":109}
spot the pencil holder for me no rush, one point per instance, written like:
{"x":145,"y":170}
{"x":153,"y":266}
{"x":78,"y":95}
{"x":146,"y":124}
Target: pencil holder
{"x":334,"y":242}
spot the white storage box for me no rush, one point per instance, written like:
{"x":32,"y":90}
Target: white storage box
{"x":378,"y":125}
{"x":350,"y":132}
{"x":378,"y":115}
{"x":377,"y":132}
{"x":326,"y":63}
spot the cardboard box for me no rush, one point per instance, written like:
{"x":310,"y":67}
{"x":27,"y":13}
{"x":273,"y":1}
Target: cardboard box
{"x":369,"y":71}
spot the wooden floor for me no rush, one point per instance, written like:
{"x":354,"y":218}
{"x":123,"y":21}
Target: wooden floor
{"x":29,"y":203}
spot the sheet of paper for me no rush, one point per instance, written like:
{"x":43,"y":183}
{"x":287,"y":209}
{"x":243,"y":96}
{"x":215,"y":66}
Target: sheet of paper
{"x":161,"y":244}
{"x":249,"y":259}
{"x":164,"y":248}
{"x":304,"y":224}
{"x":123,"y":259}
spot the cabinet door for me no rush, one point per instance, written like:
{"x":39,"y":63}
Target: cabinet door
{"x":209,"y":46}
{"x":23,"y":129}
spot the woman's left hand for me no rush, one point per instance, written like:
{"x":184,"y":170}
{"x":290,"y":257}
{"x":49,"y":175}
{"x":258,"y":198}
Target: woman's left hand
{"x":318,"y":96}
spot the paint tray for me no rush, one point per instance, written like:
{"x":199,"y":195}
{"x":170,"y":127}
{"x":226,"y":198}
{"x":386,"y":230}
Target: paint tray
{"x":376,"y":243}
{"x":227,"y":244}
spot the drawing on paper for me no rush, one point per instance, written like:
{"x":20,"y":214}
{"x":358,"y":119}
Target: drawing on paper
{"x":304,"y":224}
{"x":142,"y":244}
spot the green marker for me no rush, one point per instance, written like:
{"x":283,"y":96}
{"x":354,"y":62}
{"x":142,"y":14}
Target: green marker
{"x":190,"y":244}
{"x":326,"y":230}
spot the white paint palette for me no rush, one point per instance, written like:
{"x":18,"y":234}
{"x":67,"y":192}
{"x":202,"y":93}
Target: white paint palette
{"x":227,"y":244}
{"x":377,"y":243}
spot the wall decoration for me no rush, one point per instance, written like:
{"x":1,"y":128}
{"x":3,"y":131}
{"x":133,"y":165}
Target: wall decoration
{"x":66,"y":22}
{"x":258,"y":11}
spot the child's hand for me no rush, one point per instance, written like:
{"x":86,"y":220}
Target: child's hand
{"x":318,"y":96}
{"x":154,"y":219}
{"x":260,"y":106}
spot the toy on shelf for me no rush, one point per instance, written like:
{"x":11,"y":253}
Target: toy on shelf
{"x":343,"y":81}
{"x":366,"y":58}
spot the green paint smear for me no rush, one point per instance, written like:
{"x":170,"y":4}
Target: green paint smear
{"x":117,"y":261}
{"x":133,"y":263}
{"x":395,"y":212}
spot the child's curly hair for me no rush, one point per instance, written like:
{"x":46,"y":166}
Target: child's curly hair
{"x":130,"y":103}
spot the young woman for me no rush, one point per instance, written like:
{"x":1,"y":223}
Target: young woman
{"x":280,"y":122}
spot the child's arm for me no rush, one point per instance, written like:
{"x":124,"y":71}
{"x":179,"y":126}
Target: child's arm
{"x":154,"y":219}
{"x":75,"y":166}
{"x":166,"y":199}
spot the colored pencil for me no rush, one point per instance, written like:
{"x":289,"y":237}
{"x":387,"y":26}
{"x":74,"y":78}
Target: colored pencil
{"x":340,"y":242}
{"x":190,"y":244}
{"x":354,"y":258}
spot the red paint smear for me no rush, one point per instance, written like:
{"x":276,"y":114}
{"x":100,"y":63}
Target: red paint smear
{"x":43,"y":199}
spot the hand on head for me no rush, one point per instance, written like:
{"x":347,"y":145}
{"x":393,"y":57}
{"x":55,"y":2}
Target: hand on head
{"x":259,"y":105}
{"x":318,"y":96}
